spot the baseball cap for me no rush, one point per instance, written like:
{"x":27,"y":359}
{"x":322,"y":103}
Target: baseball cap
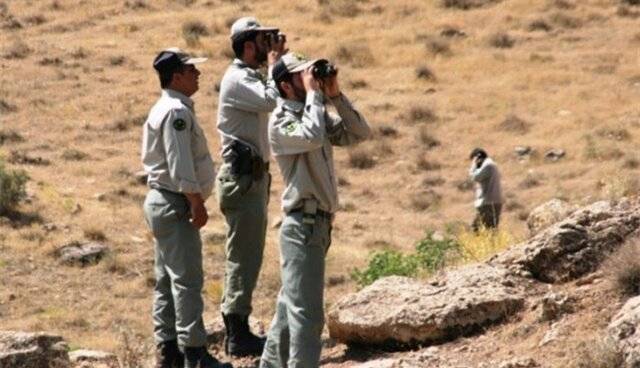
{"x":246,"y":24}
{"x":173,"y":58}
{"x":291,"y":62}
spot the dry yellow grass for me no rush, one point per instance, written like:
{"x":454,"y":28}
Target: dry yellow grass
{"x":76,"y":78}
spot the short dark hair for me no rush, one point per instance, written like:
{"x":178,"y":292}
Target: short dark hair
{"x":237,"y":43}
{"x":285,"y":78}
{"x":479,"y":152}
{"x":166,"y":76}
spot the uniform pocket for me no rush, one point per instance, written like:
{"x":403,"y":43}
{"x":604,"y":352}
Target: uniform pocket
{"x":295,"y":231}
{"x":231,"y":187}
{"x":161,"y":218}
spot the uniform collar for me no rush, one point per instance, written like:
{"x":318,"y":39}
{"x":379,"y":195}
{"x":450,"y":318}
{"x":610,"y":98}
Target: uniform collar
{"x":292,"y":105}
{"x":175,"y":94}
{"x":241,"y":64}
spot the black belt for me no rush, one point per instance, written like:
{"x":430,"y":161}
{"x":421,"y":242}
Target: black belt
{"x":319,"y":213}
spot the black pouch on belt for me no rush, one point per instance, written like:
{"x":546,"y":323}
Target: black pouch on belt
{"x":242,"y":162}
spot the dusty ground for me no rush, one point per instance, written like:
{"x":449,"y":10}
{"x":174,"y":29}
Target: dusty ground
{"x":76,"y":83}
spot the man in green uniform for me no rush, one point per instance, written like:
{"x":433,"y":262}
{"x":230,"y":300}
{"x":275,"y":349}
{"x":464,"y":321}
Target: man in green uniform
{"x":302,"y":135}
{"x":181,"y":175}
{"x":242,"y":185}
{"x":484,"y":172}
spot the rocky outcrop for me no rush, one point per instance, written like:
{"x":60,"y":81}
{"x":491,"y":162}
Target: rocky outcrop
{"x":576,"y":245}
{"x":548,"y":214}
{"x":624,"y":330}
{"x":94,"y":358}
{"x":32,"y":350}
{"x":82,"y":254}
{"x":398,"y":311}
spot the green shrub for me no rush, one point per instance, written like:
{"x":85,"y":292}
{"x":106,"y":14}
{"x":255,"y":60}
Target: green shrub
{"x":386,"y":263}
{"x":12,"y":188}
{"x":431,"y":254}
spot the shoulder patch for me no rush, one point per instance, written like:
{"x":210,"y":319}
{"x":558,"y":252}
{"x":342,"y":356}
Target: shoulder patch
{"x":179,"y":124}
{"x":289,"y":128}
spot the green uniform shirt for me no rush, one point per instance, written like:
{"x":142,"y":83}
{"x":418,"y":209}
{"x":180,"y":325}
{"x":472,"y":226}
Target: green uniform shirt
{"x":174,"y":148}
{"x":301,"y":137}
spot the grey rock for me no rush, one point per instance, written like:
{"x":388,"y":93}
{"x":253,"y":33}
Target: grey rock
{"x":82,"y":254}
{"x":624,"y":331}
{"x":554,"y":305}
{"x":522,"y":151}
{"x":93,"y":356}
{"x":399,"y":311}
{"x":32,"y":350}
{"x":576,"y":245}
{"x":548,"y":214}
{"x":554,"y":154}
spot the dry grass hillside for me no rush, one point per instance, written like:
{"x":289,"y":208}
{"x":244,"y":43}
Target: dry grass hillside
{"x":435,"y":81}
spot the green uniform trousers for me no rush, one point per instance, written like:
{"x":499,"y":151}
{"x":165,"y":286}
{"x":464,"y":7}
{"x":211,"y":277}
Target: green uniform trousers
{"x":177,"y":299}
{"x":293,"y":340}
{"x":243,"y":201}
{"x":487,"y":216}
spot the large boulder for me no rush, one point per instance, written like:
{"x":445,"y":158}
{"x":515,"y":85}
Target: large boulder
{"x":403,"y":312}
{"x":575,"y":246}
{"x":624,"y":330}
{"x":548,"y":214}
{"x":32,"y":350}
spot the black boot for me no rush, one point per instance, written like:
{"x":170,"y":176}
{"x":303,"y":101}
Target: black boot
{"x":239,"y":341}
{"x":200,"y":358}
{"x":168,"y":355}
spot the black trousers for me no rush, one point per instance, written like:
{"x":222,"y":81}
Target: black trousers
{"x":488,"y":216}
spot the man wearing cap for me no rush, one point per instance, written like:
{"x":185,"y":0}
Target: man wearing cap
{"x":301,"y":134}
{"x":181,"y":175}
{"x":488,"y":203}
{"x":242,"y":185}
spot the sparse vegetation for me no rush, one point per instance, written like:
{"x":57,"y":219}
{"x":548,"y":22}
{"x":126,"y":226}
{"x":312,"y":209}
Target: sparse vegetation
{"x":12,"y":188}
{"x":466,"y":4}
{"x":602,"y":353}
{"x":358,"y":55}
{"x":192,"y":31}
{"x":425,"y":200}
{"x":360,"y":158}
{"x":480,"y":246}
{"x":72,"y":154}
{"x":423,"y":163}
{"x":514,"y":124}
{"x":94,"y":233}
{"x":501,"y":40}
{"x":17,"y":50}
{"x":422,"y":114}
{"x":438,"y":46}
{"x":117,"y":60}
{"x":566,"y":21}
{"x":388,"y":131}
{"x":623,"y":268}
{"x":426,"y":139}
{"x":424,"y":73}
{"x":539,"y":25}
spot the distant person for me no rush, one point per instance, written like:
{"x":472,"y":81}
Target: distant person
{"x":243,"y":183}
{"x":181,"y":176}
{"x":302,"y":135}
{"x":488,"y":203}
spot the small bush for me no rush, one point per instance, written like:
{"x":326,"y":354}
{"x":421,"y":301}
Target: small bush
{"x":424,"y":73}
{"x":358,"y":84}
{"x":562,"y":4}
{"x":423,"y":164}
{"x":514,"y":124}
{"x":539,"y":25}
{"x":358,"y":55}
{"x":466,"y":4}
{"x":437,"y":46}
{"x":427,"y":140}
{"x":477,"y":247}
{"x":431,"y":254}
{"x":387,"y":131}
{"x":566,"y":21}
{"x":73,"y":154}
{"x":598,"y":354}
{"x":361,"y":159}
{"x":631,"y":2}
{"x":17,"y":50}
{"x":451,"y":32}
{"x":192,"y":31}
{"x":93,"y":233}
{"x":501,"y":40}
{"x":117,"y":60}
{"x":12,"y":188}
{"x":623,"y":268}
{"x":424,"y":200}
{"x":419,"y":114}
{"x":10,"y":136}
